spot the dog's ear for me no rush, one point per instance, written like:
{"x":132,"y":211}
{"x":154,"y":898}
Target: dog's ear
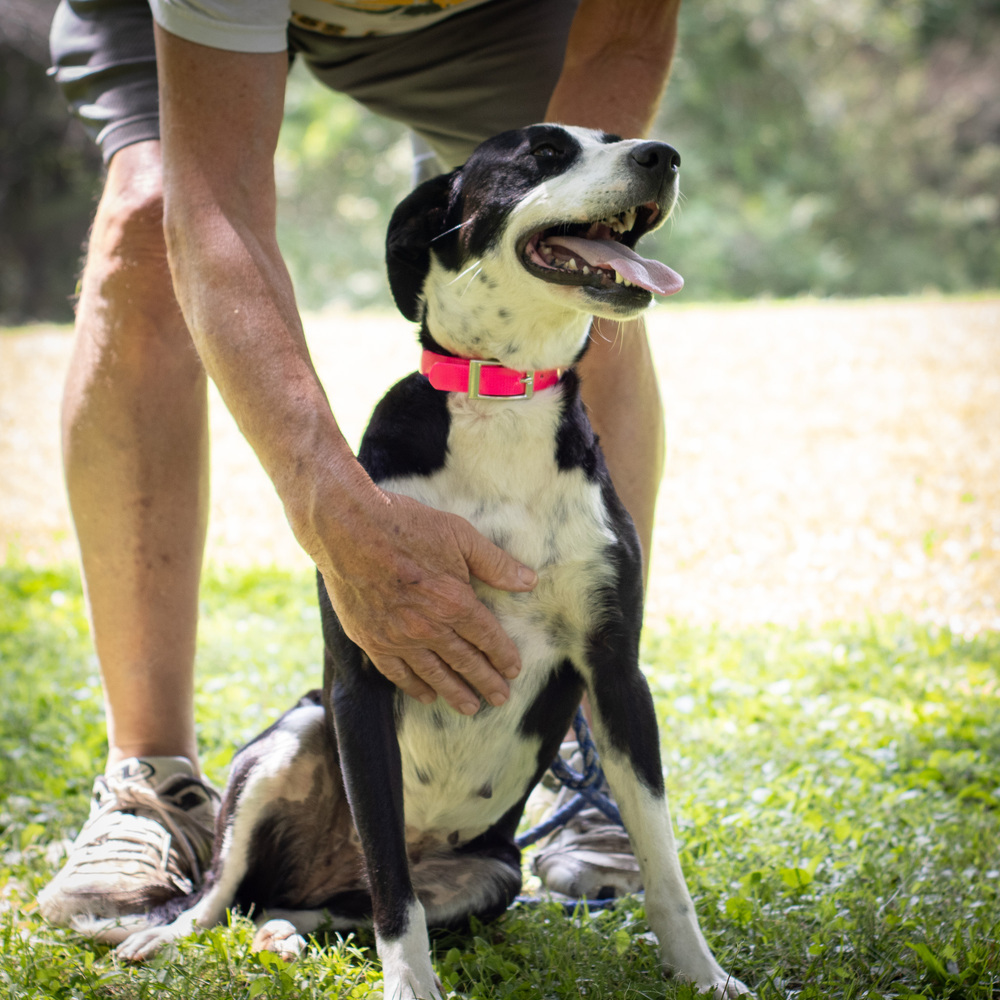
{"x":419,"y":219}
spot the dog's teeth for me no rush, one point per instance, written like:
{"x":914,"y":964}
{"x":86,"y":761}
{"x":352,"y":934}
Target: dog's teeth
{"x":546,"y":251}
{"x":586,"y":270}
{"x":571,"y":264}
{"x":618,"y":278}
{"x":628,"y":284}
{"x":629,"y":219}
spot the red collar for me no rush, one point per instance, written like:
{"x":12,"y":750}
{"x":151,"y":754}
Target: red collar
{"x":484,"y":379}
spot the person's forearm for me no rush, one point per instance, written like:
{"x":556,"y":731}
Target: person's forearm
{"x":617,"y":63}
{"x":238,"y":301}
{"x":398,"y":574}
{"x":231,"y":281}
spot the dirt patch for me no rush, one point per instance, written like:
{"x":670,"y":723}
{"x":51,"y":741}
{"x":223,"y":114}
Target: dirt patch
{"x":827,"y":460}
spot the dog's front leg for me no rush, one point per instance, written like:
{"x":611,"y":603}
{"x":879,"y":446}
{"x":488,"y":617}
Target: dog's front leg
{"x":362,"y":705}
{"x":628,"y":742}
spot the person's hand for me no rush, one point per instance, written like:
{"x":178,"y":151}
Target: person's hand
{"x":401,"y":586}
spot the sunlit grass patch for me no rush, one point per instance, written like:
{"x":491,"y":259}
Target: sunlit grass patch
{"x":834,"y":789}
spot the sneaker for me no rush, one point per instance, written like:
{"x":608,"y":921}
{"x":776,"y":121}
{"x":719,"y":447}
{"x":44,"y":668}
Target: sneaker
{"x":147,"y":840}
{"x":590,"y":857}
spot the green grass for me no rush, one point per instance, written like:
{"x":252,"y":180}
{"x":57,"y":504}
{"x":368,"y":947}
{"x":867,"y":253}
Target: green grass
{"x":835,"y":791}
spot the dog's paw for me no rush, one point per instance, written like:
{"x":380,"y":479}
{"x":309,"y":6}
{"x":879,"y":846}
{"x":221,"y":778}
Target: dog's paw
{"x":281,"y":937}
{"x":406,"y":985}
{"x":141,"y":945}
{"x":727,"y":988}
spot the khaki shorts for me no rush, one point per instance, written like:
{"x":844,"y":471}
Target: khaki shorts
{"x":454,"y":83}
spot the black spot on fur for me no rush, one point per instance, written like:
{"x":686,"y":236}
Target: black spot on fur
{"x":501,"y":538}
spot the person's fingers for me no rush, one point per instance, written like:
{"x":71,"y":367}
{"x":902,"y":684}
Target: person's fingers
{"x":396,"y":670}
{"x":482,"y":632}
{"x":438,"y":675}
{"x":469,"y":662}
{"x":489,"y":563}
{"x":402,"y":588}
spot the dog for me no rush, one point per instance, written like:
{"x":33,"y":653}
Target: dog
{"x":360,"y":803}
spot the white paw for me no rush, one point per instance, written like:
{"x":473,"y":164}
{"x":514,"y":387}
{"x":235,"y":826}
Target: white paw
{"x":281,"y":937}
{"x":727,"y":988}
{"x":408,"y":986}
{"x":143,"y":944}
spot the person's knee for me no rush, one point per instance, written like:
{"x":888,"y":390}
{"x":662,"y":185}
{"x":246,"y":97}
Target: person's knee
{"x":126,"y":266}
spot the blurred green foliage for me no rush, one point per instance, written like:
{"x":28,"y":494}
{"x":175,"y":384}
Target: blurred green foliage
{"x":340,"y":171}
{"x":830,"y":148}
{"x":48,"y":185}
{"x":848,"y":148}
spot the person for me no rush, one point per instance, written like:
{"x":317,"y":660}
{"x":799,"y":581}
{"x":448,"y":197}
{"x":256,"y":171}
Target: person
{"x":184,"y":281}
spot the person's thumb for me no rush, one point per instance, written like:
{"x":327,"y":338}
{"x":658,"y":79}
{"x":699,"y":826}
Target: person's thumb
{"x":489,"y":563}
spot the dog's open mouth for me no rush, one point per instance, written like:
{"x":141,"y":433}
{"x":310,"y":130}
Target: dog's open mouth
{"x":599,"y":254}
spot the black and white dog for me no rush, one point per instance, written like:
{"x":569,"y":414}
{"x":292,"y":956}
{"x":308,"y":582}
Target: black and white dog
{"x":361,"y":803}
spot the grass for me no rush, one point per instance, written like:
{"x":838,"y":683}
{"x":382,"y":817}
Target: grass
{"x":835,"y":792}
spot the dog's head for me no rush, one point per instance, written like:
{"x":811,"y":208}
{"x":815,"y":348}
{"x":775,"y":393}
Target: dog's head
{"x":508,"y":256}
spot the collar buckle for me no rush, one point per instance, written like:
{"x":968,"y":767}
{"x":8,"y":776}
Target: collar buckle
{"x":475,"y":369}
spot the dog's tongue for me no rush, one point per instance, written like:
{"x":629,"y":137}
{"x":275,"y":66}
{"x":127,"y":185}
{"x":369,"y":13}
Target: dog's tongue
{"x":648,"y":274}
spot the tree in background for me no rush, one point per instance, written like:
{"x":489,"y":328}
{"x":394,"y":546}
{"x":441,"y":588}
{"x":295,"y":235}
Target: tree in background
{"x":844,"y":148}
{"x":49,"y":174}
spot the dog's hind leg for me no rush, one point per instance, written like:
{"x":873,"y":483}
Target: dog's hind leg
{"x":456,"y":885}
{"x":262,"y":772}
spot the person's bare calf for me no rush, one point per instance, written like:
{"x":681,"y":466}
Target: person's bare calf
{"x":135,"y":445}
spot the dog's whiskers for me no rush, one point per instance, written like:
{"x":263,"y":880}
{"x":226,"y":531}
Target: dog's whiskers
{"x":617,"y":341}
{"x":453,"y":229}
{"x":475,"y":267}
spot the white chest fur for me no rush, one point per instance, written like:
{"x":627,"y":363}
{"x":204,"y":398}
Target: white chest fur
{"x":462,"y":774}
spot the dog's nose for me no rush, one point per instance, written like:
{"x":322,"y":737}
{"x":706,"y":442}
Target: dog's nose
{"x":657,"y":156}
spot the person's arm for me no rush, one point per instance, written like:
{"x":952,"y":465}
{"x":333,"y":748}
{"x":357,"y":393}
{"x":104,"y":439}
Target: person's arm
{"x":617,"y":63}
{"x":397,"y":572}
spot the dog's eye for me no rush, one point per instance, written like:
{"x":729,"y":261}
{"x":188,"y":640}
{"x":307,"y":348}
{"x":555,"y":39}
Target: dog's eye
{"x":546,"y":149}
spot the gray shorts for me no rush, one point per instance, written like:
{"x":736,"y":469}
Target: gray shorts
{"x":453,"y":83}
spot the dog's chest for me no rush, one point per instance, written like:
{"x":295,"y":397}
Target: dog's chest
{"x":502,"y":474}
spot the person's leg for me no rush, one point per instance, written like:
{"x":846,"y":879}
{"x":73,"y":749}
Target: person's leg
{"x":619,"y":387}
{"x":135,"y":448}
{"x":135,"y":444}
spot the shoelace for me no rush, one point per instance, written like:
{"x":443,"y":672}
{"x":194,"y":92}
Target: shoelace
{"x":588,"y":785}
{"x":140,"y":798}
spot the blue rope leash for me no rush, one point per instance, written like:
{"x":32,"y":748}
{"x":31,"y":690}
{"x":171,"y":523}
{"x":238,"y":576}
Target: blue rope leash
{"x":585,"y":783}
